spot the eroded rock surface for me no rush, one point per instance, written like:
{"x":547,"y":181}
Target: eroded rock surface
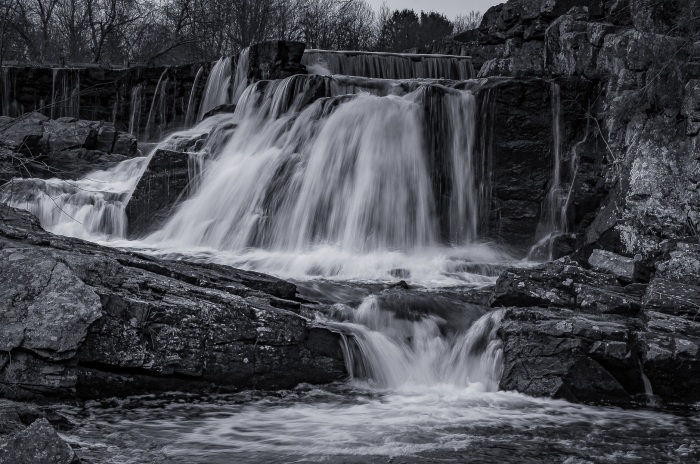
{"x":589,"y":336}
{"x":83,"y":320}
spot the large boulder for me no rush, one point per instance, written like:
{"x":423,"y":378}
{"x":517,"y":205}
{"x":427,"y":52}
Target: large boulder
{"x":89,"y":321}
{"x":165,"y":181}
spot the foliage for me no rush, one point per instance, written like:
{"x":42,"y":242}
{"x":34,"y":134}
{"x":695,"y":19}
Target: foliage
{"x":175,"y":31}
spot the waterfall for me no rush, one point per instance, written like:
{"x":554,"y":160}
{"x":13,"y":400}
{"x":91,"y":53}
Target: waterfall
{"x":217,"y":88}
{"x":319,"y":176}
{"x":93,"y":208}
{"x":388,"y":352}
{"x":351,"y":172}
{"x":6,"y":92}
{"x":65,"y":93}
{"x":193,"y":96}
{"x":389,"y":65}
{"x":553,"y":221}
{"x":89,"y":208}
{"x":159,"y":101}
{"x":240,"y":81}
{"x":135,"y":105}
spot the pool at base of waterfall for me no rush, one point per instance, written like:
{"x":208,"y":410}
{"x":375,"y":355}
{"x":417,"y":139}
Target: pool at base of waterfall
{"x":351,"y":423}
{"x":425,"y":367}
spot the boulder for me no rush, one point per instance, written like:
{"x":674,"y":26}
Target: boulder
{"x":165,"y":181}
{"x":619,"y":266}
{"x":89,"y":321}
{"x":561,"y":354}
{"x":670,"y":356}
{"x":37,"y":444}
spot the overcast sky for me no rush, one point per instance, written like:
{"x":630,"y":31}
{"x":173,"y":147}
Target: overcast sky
{"x":449,"y":8}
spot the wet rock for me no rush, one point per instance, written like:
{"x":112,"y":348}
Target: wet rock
{"x":563,"y":283}
{"x":619,"y":266}
{"x":163,"y":184}
{"x":670,"y":356}
{"x":37,"y":444}
{"x":91,"y":321}
{"x":562,"y":354}
{"x":47,"y":309}
{"x":226,"y":108}
{"x":276,"y":60}
{"x":679,"y":261}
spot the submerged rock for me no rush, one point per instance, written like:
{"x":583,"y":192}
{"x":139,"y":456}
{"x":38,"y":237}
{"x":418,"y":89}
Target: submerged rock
{"x":91,"y":321}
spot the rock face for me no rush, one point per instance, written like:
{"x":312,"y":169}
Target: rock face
{"x":639,"y":181}
{"x":275,"y":60}
{"x":598,"y":337}
{"x":166,"y":179}
{"x":123,"y":96}
{"x":88,"y":321}
{"x":67,"y":148}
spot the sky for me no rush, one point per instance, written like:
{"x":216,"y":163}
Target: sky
{"x":449,"y":8}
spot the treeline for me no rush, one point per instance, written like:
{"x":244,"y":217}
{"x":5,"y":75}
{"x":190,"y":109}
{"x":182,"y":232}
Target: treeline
{"x":176,"y":31}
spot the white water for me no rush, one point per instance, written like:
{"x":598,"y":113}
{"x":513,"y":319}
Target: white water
{"x":389,"y":65}
{"x":93,"y":207}
{"x":189,"y":116}
{"x":216,"y":90}
{"x":392,"y":353}
{"x":157,"y":105}
{"x":135,"y":105}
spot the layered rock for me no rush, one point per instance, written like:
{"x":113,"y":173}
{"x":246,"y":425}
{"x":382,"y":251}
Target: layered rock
{"x":67,"y":148}
{"x":603,"y":336}
{"x":88,"y":321}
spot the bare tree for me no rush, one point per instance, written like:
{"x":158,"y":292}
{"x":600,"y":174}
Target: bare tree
{"x":467,"y":22}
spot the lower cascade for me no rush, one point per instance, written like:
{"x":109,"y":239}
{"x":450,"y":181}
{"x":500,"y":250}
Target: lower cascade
{"x":388,"y":352}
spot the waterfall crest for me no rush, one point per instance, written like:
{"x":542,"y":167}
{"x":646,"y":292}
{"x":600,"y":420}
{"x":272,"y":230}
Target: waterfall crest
{"x":389,"y":65}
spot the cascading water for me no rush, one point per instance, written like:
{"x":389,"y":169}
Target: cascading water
{"x":135,"y":105}
{"x":157,"y":105}
{"x":388,"y":352}
{"x":65,"y":93}
{"x":240,"y":81}
{"x":93,"y":208}
{"x":335,"y":178}
{"x":217,"y":89}
{"x":388,"y":65}
{"x":189,"y":116}
{"x":316,"y":187}
{"x":553,"y":220}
